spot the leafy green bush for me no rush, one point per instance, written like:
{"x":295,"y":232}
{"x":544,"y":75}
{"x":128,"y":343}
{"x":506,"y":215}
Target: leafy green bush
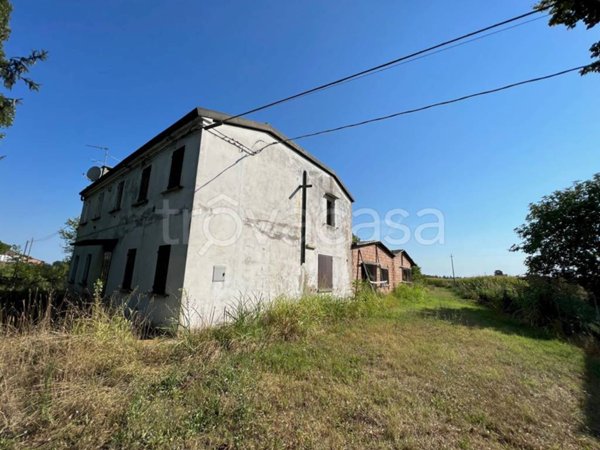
{"x":544,"y":302}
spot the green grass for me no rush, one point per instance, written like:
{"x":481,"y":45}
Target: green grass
{"x":417,"y":369}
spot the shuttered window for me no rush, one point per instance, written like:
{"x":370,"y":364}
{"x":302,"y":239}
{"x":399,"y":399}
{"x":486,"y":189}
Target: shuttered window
{"x":129,"y":266}
{"x":119,"y":196}
{"x":144,"y":184}
{"x":99,"y":203}
{"x":325,"y":273}
{"x":176,"y":168}
{"x":162,"y":269}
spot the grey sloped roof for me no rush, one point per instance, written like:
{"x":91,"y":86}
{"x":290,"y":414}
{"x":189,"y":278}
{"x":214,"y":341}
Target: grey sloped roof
{"x":196,"y":115}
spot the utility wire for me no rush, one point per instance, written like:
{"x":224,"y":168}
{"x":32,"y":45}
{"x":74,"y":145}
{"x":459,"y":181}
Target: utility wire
{"x":374,"y":69}
{"x":460,"y":44}
{"x":423,"y":108}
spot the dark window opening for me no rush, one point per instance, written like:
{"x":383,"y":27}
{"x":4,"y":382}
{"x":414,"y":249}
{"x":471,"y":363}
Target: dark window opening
{"x":74,"y":268}
{"x":162,"y":269}
{"x":325,"y":273}
{"x":369,"y":272}
{"x":330,"y":210}
{"x":129,"y":266}
{"x":407,"y":275}
{"x":144,"y":184}
{"x":119,"y":196}
{"x":86,"y":270}
{"x":176,"y":168}
{"x":106,"y":259}
{"x":385,"y":276}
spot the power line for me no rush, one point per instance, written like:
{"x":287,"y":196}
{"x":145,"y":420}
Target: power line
{"x":423,"y":108}
{"x":460,"y":44}
{"x":375,"y":68}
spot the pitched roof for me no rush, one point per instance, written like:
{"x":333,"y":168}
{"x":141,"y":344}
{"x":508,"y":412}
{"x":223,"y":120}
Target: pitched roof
{"x":196,"y":115}
{"x":379,"y":244}
{"x":407,"y":256}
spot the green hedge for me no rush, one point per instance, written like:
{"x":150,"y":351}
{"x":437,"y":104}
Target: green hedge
{"x":543,"y":302}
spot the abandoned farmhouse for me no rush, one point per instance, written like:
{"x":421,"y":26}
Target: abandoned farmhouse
{"x":215,"y":210}
{"x":373,"y":262}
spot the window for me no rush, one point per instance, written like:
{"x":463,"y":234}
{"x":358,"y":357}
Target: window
{"x":74,"y":267}
{"x":99,"y":202}
{"x":119,"y":196}
{"x":162,"y":269}
{"x":86,"y":270}
{"x":325,"y":273}
{"x":369,"y":272}
{"x":144,"y":184}
{"x":330,"y":210}
{"x":129,"y":265}
{"x":385,"y":276}
{"x":406,"y":274}
{"x":176,"y":167}
{"x":84,"y":212}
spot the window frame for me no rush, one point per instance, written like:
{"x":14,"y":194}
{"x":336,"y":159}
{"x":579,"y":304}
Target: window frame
{"x":86,"y":270}
{"x":386,"y":278}
{"x":119,"y":196}
{"x":176,"y":170}
{"x":330,"y":210}
{"x":98,"y":207}
{"x":129,"y":269}
{"x":144,"y":187}
{"x":161,"y":270}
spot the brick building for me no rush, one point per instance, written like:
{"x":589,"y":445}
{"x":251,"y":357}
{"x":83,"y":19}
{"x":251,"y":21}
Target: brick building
{"x":373,"y":262}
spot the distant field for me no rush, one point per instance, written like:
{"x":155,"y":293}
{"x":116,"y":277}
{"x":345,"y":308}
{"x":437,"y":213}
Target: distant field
{"x":421,"y":369}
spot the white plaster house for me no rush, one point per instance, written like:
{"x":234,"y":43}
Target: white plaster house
{"x":201,"y":217}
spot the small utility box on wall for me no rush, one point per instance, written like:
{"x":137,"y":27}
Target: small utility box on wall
{"x":218,"y":274}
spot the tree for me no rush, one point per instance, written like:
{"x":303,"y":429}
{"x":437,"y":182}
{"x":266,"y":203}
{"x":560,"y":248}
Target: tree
{"x":13,"y":70}
{"x":355,"y":239}
{"x":569,"y":13}
{"x":562,"y":235}
{"x":4,"y":247}
{"x":68,"y":234}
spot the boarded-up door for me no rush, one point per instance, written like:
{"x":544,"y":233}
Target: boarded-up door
{"x":325,"y":273}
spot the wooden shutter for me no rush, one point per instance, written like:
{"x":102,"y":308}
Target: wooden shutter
{"x":162,"y":269}
{"x":325,"y":273}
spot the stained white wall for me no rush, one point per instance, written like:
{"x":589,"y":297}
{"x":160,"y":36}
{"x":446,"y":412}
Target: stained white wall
{"x":143,"y":227}
{"x":244,"y":220}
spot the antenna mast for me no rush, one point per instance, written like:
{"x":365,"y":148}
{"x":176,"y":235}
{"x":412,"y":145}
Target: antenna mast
{"x":105,"y":150}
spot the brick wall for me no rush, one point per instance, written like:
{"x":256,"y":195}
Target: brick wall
{"x":373,"y":254}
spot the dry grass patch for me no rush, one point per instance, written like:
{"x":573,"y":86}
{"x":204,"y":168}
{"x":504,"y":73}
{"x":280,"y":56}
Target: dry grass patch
{"x":416,"y":370}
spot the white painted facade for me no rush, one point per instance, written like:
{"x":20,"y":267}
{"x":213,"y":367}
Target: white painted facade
{"x":234,"y":226}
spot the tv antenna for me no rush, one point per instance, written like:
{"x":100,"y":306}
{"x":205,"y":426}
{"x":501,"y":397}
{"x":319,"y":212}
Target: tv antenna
{"x":106,"y":151}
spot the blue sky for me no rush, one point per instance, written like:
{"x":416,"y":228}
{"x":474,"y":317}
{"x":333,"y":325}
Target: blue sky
{"x":119,"y":72}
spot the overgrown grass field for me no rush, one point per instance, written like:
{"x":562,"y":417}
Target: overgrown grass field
{"x":417,"y":369}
